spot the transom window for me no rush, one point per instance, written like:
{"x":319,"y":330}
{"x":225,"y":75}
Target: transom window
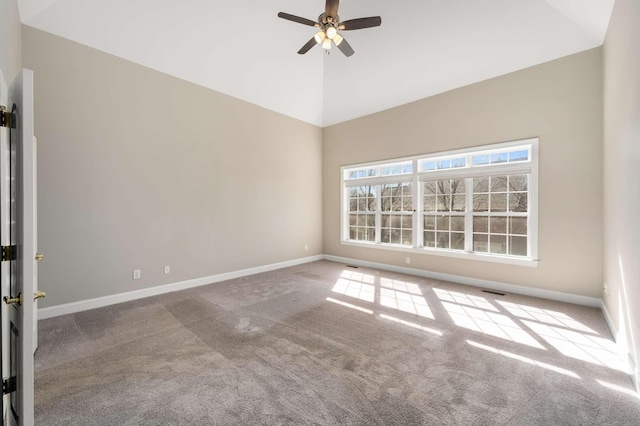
{"x":480,"y":202}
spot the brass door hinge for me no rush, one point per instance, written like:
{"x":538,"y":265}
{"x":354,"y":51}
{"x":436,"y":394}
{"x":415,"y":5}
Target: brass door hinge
{"x":9,"y":253}
{"x":13,"y":300}
{"x":7,"y":119}
{"x":8,"y":385}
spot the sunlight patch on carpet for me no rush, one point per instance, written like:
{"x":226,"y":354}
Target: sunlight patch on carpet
{"x":411,"y":324}
{"x":584,"y":347}
{"x":524,"y":359}
{"x":349,"y":305}
{"x":544,"y":315}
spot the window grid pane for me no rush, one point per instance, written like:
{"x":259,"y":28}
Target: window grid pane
{"x":444,"y":231}
{"x":396,"y":228}
{"x":397,"y":197}
{"x":362,"y":199}
{"x":505,"y":234}
{"x":444,"y":196}
{"x":362,"y":226}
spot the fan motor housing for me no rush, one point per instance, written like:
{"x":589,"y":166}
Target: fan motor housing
{"x":325,"y":20}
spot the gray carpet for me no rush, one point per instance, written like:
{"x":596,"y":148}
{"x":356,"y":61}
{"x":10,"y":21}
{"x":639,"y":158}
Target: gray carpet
{"x":323,"y":343}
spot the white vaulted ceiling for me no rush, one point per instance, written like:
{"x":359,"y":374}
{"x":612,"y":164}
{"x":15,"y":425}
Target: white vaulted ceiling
{"x":243,"y":49}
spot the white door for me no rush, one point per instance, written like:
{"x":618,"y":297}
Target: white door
{"x":17,"y":232}
{"x":34,"y":207}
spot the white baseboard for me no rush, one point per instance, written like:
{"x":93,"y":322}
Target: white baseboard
{"x":634,"y":373}
{"x":83,"y":305}
{"x":623,"y":347}
{"x":609,"y":321}
{"x":474,"y":282}
{"x":99,"y":302}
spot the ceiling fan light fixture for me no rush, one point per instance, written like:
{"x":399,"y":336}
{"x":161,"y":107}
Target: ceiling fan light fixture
{"x":329,"y":24}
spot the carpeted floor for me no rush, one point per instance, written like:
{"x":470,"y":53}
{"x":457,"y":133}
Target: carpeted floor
{"x":324,"y":343}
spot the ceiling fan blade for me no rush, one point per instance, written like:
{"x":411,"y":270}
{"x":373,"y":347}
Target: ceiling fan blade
{"x":299,"y":20}
{"x":331,"y":8}
{"x":360,"y":23}
{"x":304,"y":49}
{"x":345,"y":48}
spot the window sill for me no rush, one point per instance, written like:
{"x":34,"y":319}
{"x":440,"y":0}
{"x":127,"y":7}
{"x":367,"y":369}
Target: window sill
{"x":446,"y":253}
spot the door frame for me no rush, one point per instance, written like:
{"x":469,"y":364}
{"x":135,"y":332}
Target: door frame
{"x":17,"y":180}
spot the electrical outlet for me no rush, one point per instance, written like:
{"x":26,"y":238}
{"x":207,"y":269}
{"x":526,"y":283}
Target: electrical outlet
{"x":605,"y":290}
{"x":407,"y":260}
{"x":137,"y":274}
{"x":306,"y":247}
{"x":167,"y":269}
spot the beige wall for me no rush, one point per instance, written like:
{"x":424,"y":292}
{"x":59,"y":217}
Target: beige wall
{"x":10,"y":39}
{"x":137,"y":170}
{"x":622,"y":172}
{"x":561,"y":103}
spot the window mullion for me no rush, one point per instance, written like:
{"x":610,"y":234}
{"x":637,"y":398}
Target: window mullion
{"x":378,"y":214}
{"x":468,"y":215}
{"x":417,"y":207}
{"x":344,"y":208}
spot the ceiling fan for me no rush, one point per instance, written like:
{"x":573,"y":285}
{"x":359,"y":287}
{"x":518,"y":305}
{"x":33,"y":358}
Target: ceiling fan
{"x":329,"y":23}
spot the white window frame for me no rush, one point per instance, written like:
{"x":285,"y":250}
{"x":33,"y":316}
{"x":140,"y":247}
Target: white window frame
{"x":468,"y":172}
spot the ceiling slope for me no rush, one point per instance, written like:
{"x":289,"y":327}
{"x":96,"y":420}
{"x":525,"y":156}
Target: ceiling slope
{"x":242,"y":49}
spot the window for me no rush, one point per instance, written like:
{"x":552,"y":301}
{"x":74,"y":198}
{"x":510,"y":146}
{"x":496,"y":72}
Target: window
{"x":444,"y":206}
{"x":362,"y":208}
{"x":396,"y":210}
{"x":478,"y":203}
{"x":500,"y":213}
